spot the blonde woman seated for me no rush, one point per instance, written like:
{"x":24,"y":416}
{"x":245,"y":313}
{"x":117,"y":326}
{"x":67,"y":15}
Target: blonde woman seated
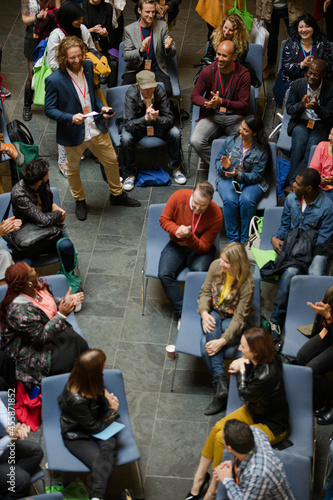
{"x":260,"y":386}
{"x":322,"y":161}
{"x":225,"y":304}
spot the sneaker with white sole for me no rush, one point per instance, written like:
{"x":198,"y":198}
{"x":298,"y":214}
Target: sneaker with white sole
{"x":4,"y":92}
{"x":129,"y":183}
{"x":275,"y":332}
{"x":179,"y":176}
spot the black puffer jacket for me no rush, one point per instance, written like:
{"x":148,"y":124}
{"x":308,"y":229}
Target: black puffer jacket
{"x":81,"y":416}
{"x":262,"y":389}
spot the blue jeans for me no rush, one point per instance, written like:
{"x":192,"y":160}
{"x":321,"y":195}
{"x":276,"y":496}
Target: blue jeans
{"x":245,"y":204}
{"x":171,"y":136}
{"x":302,"y":140}
{"x":317,"y":268}
{"x":174,"y":258}
{"x":215,"y":363}
{"x":273,"y":29}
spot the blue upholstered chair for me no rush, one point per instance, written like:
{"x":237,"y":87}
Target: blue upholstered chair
{"x":45,"y":496}
{"x":59,"y":458}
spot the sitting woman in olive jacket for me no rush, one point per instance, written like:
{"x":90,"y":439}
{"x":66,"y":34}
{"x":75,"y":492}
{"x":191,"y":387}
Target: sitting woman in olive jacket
{"x":87,"y":408}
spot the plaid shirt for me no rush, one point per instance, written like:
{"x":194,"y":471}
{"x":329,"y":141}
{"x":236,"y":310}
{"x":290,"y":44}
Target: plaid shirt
{"x":261,"y":474}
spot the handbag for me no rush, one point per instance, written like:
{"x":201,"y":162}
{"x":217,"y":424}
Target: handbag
{"x":255,"y":229}
{"x":30,"y":240}
{"x":40,"y":75}
{"x":243,"y":14}
{"x":259,"y":34}
{"x":72,"y":276}
{"x":72,"y":491}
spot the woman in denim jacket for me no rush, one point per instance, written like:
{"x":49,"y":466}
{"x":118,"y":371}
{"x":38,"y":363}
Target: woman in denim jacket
{"x":243,"y":176}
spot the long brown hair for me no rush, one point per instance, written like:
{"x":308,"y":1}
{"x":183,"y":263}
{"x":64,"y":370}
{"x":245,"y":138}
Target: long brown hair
{"x":260,"y":344}
{"x":87,"y":374}
{"x":241,"y":36}
{"x":239,"y":263}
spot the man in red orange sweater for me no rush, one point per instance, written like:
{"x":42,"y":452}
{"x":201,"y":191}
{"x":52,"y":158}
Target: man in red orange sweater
{"x":193,"y":221}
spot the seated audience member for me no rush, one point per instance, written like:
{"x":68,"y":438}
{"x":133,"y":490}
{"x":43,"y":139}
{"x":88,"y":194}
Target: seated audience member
{"x":87,"y":408}
{"x":242,"y":168}
{"x":307,"y":44}
{"x":166,"y":10}
{"x":100,"y":18}
{"x":310,"y":105}
{"x":223,"y":94}
{"x":34,"y":330}
{"x":254,"y":471}
{"x":322,"y":161}
{"x":317,"y":353}
{"x":272,"y":13}
{"x":232,"y":28}
{"x":147,"y":113}
{"x":6,"y":227}
{"x":261,"y":387}
{"x":306,"y":208}
{"x":32,"y":201}
{"x":146,"y":46}
{"x":224,"y":304}
{"x":193,"y":221}
{"x":27,"y":457}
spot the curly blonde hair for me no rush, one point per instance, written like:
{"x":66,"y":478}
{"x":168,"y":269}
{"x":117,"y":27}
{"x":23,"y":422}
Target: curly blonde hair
{"x":64,"y":45}
{"x":241,"y":36}
{"x":239,"y":263}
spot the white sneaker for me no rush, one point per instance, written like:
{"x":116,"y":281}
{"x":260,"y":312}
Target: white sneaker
{"x":179,"y":176}
{"x":275,"y":331}
{"x":129,"y":183}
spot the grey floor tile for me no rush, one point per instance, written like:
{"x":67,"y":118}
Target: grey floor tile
{"x":117,"y":253}
{"x":162,"y":488}
{"x":101,"y":333}
{"x":182,"y":407}
{"x":105,"y":295}
{"x":187,"y":382}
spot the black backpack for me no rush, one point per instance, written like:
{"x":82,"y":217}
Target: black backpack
{"x":18,"y":132}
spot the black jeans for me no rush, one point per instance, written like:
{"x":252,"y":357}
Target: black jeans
{"x":65,"y":348}
{"x":317,"y":353}
{"x":28,"y":456}
{"x":99,"y":456}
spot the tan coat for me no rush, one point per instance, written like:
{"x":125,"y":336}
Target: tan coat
{"x":238,"y":307}
{"x":264,"y":9}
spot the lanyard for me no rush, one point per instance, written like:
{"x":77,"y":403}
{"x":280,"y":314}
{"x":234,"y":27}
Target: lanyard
{"x":62,"y":29}
{"x":244,"y":154}
{"x":235,"y":472}
{"x":151,"y":32}
{"x":84,"y":89}
{"x":304,"y":50}
{"x":194,"y":227}
{"x":219,"y":73}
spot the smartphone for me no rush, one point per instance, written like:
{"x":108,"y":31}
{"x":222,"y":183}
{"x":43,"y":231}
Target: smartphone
{"x":100,"y":115}
{"x":237,"y":187}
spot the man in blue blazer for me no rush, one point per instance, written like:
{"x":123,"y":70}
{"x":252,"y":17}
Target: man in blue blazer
{"x":70,"y":99}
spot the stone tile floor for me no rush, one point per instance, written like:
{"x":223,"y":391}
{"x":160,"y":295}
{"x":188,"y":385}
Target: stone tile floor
{"x":170,"y":428}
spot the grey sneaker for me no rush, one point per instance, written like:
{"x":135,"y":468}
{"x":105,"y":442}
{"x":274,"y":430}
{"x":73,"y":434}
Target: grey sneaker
{"x":129,"y":183}
{"x":4,"y":92}
{"x":179,"y":176}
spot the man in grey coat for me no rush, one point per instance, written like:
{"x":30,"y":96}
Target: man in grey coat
{"x":147,"y":44}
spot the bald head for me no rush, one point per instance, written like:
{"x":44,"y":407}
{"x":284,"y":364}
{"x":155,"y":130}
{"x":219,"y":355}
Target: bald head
{"x":320,"y":64}
{"x":316,"y":72}
{"x":226,"y":56}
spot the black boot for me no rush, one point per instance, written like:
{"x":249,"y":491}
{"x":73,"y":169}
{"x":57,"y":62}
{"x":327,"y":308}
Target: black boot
{"x":221,"y":386}
{"x":28,"y":99}
{"x":216,"y":406}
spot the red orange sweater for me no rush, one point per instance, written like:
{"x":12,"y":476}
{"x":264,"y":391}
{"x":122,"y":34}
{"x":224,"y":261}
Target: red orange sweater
{"x":178,"y":212}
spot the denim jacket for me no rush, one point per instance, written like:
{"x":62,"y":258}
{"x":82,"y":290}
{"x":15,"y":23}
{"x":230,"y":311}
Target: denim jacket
{"x":317,"y":215}
{"x":254,"y":164}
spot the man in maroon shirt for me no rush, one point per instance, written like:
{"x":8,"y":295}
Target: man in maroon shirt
{"x":223,"y":93}
{"x":193,"y":221}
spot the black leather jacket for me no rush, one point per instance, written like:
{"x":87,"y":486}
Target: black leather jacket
{"x":262,"y":389}
{"x":81,"y":416}
{"x":292,"y":70}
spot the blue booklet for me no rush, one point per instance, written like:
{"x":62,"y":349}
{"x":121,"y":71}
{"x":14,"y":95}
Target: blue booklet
{"x":109,"y":431}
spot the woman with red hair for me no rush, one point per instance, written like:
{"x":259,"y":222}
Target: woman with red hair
{"x":34,"y":330}
{"x":260,"y":386}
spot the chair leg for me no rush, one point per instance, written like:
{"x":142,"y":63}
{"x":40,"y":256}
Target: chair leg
{"x":138,"y":471}
{"x":189,"y":153}
{"x":174,"y":373}
{"x":180,"y":112}
{"x":144,"y":292}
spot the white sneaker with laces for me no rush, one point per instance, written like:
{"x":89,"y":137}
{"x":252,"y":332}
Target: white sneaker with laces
{"x":179,"y":176}
{"x":275,"y":331}
{"x":129,"y":183}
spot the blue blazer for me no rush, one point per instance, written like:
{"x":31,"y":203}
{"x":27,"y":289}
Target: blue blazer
{"x":62,"y":102}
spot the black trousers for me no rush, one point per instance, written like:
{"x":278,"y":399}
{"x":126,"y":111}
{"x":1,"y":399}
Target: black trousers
{"x":99,"y":456}
{"x":66,"y":347}
{"x":317,"y":353}
{"x":28,"y":456}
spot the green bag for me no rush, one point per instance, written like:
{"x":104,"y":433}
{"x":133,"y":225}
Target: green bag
{"x":73,"y":491}
{"x":72,"y":276}
{"x":40,"y":74}
{"x":30,"y":152}
{"x":244,"y":15}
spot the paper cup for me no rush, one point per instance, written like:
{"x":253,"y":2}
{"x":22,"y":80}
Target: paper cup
{"x":170,"y":350}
